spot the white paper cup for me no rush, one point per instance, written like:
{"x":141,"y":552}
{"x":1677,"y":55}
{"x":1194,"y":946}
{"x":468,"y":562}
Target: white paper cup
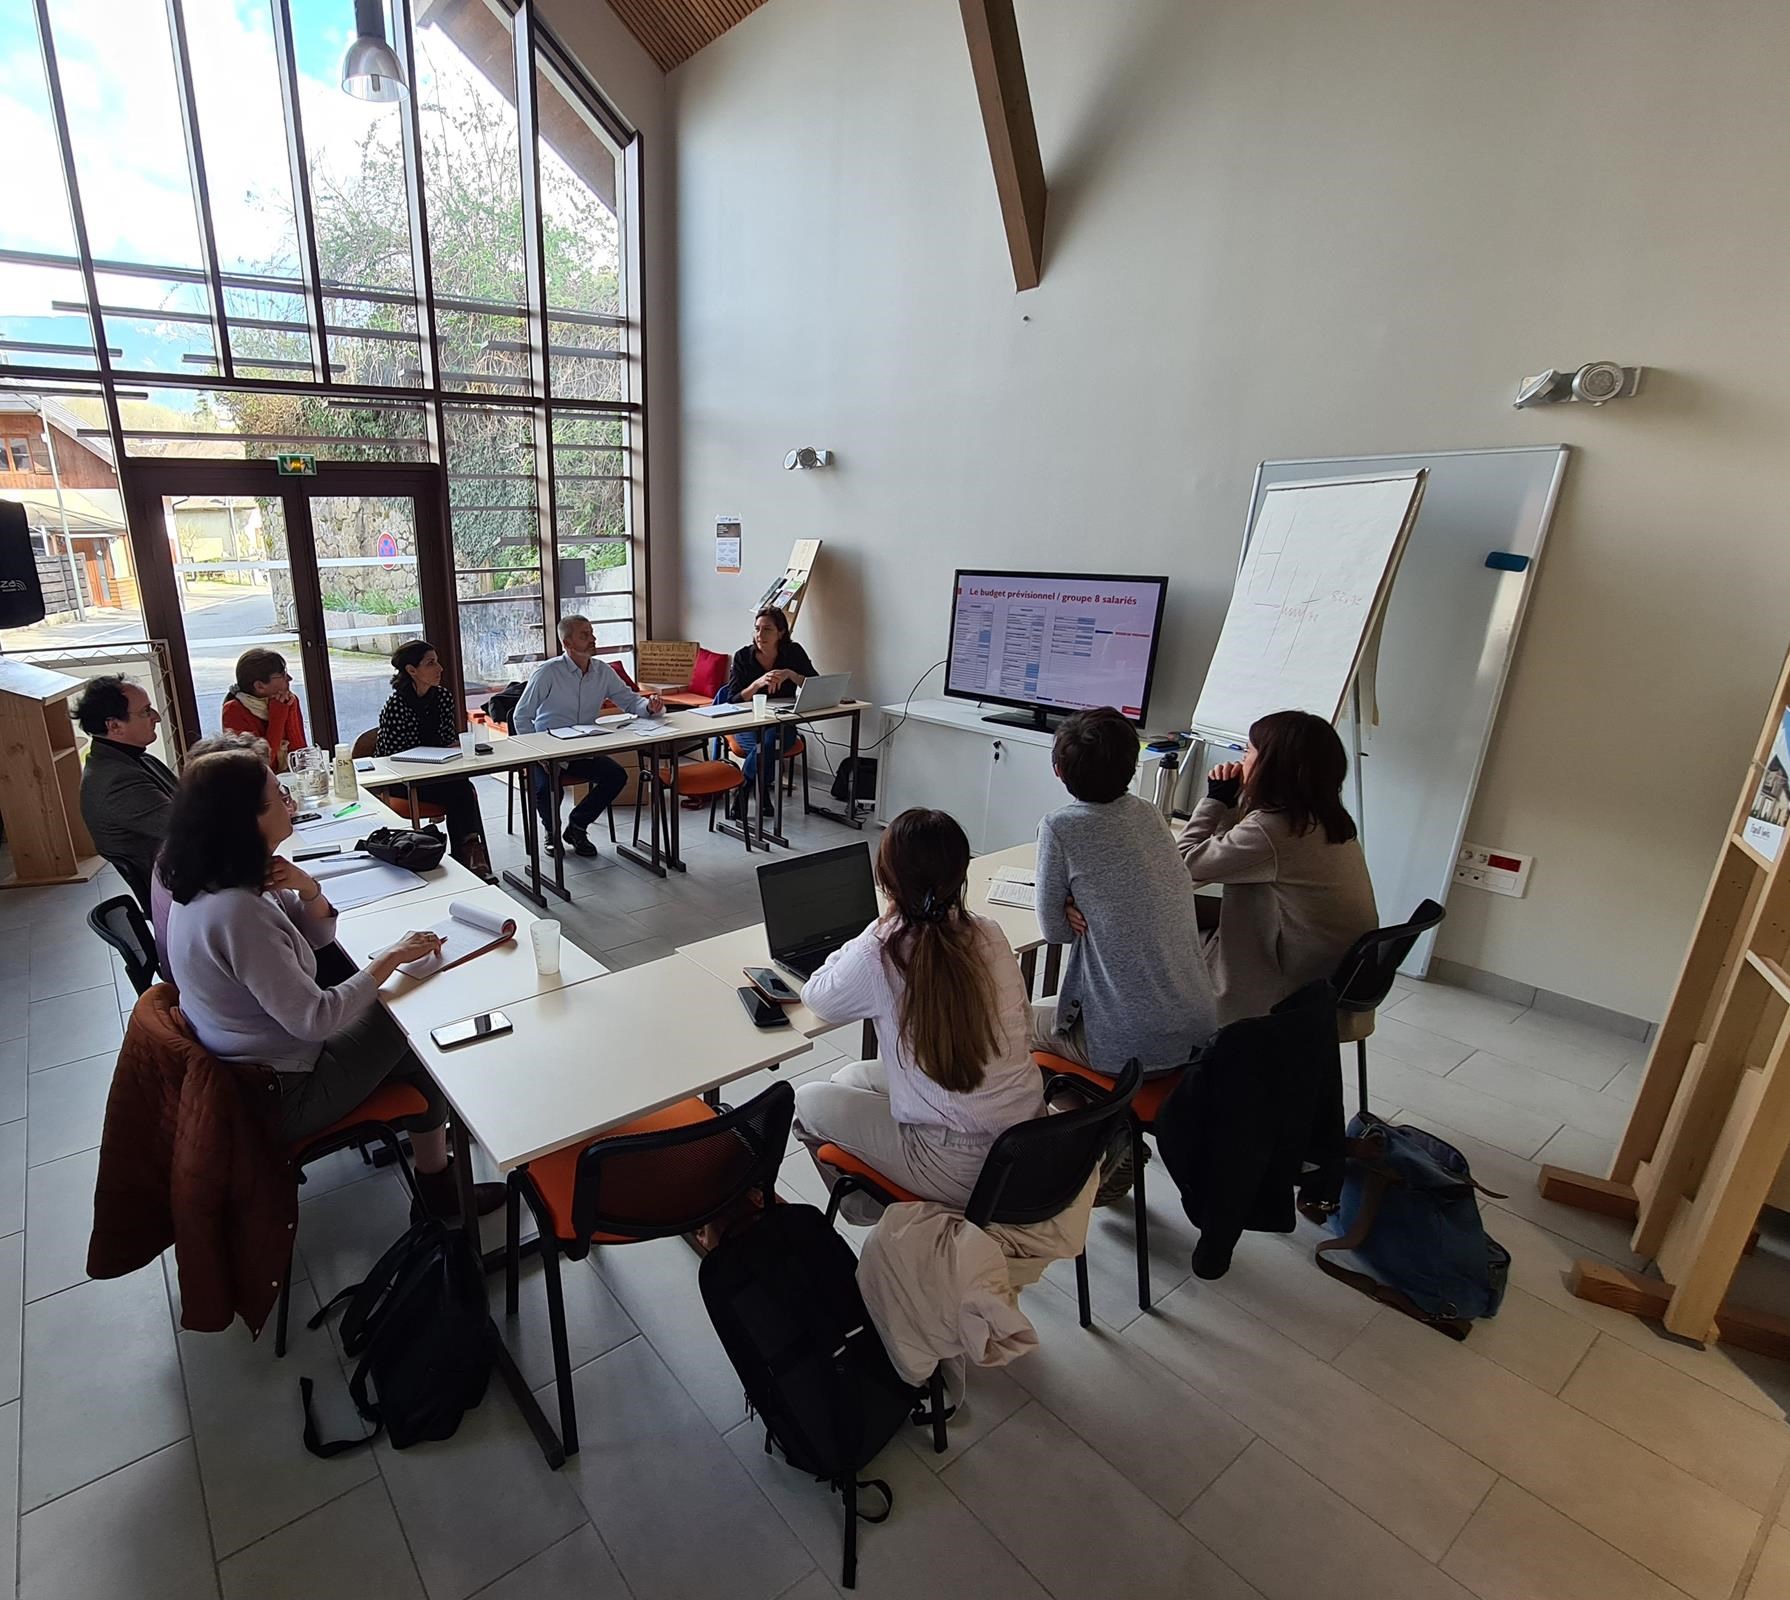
{"x":761,"y":705}
{"x":545,"y":934}
{"x":467,"y":741}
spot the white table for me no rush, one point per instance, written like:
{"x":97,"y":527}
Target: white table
{"x":495,"y":980}
{"x":594,"y":1055}
{"x":520,"y":751}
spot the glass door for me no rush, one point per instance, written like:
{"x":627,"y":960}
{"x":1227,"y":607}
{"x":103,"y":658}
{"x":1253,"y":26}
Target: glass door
{"x":332,"y":572}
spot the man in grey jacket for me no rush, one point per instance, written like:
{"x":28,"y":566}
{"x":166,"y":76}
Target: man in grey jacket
{"x":126,"y":793}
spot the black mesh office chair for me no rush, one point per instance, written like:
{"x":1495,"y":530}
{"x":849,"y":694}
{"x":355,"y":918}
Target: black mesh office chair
{"x":121,"y":923}
{"x":1364,"y":977}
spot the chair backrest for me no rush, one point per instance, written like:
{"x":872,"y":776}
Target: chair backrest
{"x":365,"y":744}
{"x":121,"y":923}
{"x":655,"y":1185}
{"x":1364,"y":976}
{"x":134,"y":878}
{"x":1035,"y":1169}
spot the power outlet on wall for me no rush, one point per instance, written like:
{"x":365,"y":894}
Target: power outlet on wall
{"x":1496,"y":871}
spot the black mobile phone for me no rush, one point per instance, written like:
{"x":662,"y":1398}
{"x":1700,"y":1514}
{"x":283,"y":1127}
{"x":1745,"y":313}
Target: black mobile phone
{"x":317,"y":852}
{"x":481,"y":749}
{"x":760,"y":1010}
{"x":486,"y":1025}
{"x":772,"y":987}
{"x":307,"y":816}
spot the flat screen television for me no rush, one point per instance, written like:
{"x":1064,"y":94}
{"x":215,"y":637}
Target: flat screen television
{"x":1048,"y":643}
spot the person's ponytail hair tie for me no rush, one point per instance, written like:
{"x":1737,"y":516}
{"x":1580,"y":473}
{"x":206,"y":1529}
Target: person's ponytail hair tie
{"x":933,"y":908}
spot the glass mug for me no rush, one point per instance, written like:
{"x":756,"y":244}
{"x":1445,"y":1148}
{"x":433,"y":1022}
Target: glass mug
{"x":310,"y":769}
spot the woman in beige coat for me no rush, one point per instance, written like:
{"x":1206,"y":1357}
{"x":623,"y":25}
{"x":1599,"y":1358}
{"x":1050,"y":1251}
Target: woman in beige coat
{"x":1273,"y":831}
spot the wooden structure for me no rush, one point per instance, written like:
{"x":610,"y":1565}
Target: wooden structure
{"x":671,"y":31}
{"x":40,"y":778}
{"x":1709,"y":1137}
{"x":790,"y":590}
{"x":664,"y":663}
{"x":1006,"y":102}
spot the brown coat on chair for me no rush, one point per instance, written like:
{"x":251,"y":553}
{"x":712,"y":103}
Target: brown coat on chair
{"x":190,"y":1158}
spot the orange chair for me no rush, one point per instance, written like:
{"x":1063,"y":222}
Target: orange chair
{"x":787,"y":757}
{"x":671,"y":1172}
{"x":1151,"y":1093}
{"x":696,"y":780}
{"x":398,"y":798}
{"x":371,"y":1122}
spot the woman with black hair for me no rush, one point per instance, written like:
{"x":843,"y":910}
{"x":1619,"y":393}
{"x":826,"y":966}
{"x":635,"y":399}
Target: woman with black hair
{"x":1272,"y":829}
{"x":419,"y":711}
{"x":243,"y":929}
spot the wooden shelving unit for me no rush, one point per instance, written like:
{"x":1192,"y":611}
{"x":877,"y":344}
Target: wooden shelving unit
{"x":1708,"y":1143}
{"x":40,"y":778}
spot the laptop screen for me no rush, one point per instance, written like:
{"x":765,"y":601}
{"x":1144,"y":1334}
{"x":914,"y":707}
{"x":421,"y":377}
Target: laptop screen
{"x":825,"y":898}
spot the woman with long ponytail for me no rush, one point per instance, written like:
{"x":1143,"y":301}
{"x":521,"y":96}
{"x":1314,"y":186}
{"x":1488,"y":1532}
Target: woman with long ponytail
{"x":944,"y":990}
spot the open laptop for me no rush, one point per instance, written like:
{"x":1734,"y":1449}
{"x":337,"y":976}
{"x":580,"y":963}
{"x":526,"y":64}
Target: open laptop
{"x":814,"y":904}
{"x":822,"y":692}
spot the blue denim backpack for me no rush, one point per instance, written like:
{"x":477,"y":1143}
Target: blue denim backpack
{"x":1410,"y":1216}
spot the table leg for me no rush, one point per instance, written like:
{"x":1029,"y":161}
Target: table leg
{"x":1028,"y":971}
{"x":674,"y":818}
{"x":531,"y":842}
{"x":849,"y":816}
{"x":653,"y":862}
{"x":559,"y":855}
{"x":505,"y":1363}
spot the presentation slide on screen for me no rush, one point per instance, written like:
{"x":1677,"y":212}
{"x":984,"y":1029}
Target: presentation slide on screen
{"x":1069,"y":643}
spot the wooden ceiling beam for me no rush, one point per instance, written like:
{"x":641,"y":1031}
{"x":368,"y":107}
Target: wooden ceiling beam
{"x":1000,"y":73}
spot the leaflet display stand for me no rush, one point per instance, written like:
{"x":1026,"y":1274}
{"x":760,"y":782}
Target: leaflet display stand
{"x":1708,"y":1140}
{"x":790,"y":590}
{"x":40,"y":778}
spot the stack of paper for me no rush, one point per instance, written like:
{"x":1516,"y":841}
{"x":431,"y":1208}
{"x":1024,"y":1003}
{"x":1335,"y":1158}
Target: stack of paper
{"x":1013,"y":886}
{"x":358,"y":880}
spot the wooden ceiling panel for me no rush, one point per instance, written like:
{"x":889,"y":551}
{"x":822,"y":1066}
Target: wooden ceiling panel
{"x":671,"y":31}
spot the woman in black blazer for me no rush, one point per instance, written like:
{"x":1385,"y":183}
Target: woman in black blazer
{"x":419,"y":712}
{"x":772,"y":664}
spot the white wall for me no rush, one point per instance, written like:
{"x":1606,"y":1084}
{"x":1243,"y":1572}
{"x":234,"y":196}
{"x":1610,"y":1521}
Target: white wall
{"x":1298,"y":229}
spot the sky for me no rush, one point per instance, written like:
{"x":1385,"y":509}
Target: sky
{"x":118,"y":84}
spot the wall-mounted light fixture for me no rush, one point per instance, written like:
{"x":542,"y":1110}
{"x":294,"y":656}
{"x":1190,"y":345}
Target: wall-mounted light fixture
{"x":370,"y":69}
{"x":806,"y":458}
{"x":1596,"y":383}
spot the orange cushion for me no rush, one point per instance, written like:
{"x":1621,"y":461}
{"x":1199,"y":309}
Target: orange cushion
{"x":426,"y":810}
{"x":698,"y":778}
{"x":844,"y":1161}
{"x":555,"y":1176}
{"x":389,"y":1103}
{"x":1150,"y":1093}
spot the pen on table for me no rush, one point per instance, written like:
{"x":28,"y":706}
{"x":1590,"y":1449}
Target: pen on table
{"x":347,"y":810}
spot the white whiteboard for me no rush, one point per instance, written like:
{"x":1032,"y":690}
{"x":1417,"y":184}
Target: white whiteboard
{"x":1317,"y":565}
{"x":1446,"y":645}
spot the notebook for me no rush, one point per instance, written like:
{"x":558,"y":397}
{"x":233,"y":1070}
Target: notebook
{"x":468,"y":931}
{"x":429,"y":755}
{"x":358,"y":880}
{"x":729,"y":709}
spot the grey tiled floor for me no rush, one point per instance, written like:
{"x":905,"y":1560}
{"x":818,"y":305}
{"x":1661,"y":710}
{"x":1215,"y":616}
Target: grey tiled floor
{"x":1270,"y":1434}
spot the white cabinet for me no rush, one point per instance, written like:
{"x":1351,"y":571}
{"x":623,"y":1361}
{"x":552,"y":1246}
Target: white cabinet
{"x":996,"y":781}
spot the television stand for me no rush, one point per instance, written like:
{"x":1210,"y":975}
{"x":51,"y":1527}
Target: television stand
{"x":1037,"y":719}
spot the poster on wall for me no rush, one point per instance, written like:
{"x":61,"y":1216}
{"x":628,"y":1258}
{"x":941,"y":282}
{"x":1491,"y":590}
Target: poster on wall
{"x":1770,"y":810}
{"x":727,"y":544}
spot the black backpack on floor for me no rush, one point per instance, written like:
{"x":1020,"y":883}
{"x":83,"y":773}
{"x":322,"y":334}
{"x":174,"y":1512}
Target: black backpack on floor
{"x":783,"y":1295}
{"x":419,"y":1325}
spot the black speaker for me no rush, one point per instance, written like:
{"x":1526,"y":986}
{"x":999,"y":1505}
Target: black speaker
{"x":21,"y":592}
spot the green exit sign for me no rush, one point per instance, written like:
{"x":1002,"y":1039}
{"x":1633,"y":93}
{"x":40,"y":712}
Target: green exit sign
{"x":297,"y":466}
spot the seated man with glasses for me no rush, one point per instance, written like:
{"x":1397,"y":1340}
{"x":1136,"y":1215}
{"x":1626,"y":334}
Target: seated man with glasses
{"x":126,"y":793}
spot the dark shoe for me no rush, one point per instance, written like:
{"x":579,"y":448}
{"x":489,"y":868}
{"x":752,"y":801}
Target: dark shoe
{"x":1115,"y":1169}
{"x":579,"y":840}
{"x":549,"y":837}
{"x":478,"y":859}
{"x":441,"y":1194}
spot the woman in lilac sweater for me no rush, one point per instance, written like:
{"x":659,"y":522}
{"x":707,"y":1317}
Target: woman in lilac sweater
{"x":243,"y":929}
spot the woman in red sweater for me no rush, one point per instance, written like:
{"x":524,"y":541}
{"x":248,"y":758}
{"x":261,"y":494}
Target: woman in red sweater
{"x":261,"y":702}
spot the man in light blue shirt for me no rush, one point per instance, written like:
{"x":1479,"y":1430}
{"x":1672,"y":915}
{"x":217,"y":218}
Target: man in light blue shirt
{"x":566,"y":692}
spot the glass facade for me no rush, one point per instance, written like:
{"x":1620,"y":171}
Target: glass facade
{"x":212,"y":252}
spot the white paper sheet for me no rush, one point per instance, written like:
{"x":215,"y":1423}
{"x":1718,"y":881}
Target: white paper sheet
{"x":581,"y":730}
{"x":1012,"y":886}
{"x":466,"y":928}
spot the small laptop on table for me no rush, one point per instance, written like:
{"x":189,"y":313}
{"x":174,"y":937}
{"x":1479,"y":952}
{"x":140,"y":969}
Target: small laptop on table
{"x":820,"y":693}
{"x":815,"y":904}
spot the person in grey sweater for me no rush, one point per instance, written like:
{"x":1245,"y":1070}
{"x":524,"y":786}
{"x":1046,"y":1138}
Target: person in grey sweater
{"x":1110,"y":886}
{"x":243,"y":929}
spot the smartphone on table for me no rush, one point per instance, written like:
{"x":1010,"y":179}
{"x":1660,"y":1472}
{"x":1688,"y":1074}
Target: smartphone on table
{"x":771,"y":986}
{"x":468,"y":1030}
{"x":760,"y":1010}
